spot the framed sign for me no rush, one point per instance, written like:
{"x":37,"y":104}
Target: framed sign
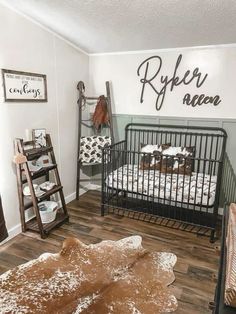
{"x":24,"y":86}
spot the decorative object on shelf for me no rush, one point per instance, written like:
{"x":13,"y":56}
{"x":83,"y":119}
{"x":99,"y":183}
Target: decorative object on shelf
{"x":28,"y":135}
{"x":107,"y":277}
{"x":19,"y":159}
{"x":24,"y":86}
{"x":42,"y":162}
{"x":101,"y":122}
{"x":39,"y":136}
{"x":28,"y":145}
{"x":48,"y":211}
{"x":38,"y":192}
{"x":33,"y":167}
{"x":47,"y":186}
{"x":38,"y":162}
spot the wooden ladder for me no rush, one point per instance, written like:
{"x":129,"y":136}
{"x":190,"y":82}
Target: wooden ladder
{"x":81,"y":103}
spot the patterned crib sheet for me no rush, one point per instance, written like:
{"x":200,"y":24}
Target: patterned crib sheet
{"x":196,"y":189}
{"x":91,"y":148}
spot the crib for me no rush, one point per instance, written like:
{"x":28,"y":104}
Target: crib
{"x":165,"y":174}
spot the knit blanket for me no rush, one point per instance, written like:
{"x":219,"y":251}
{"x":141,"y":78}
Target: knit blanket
{"x":108,"y":277}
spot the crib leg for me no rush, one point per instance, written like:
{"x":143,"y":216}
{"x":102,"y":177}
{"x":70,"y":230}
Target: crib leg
{"x":102,"y":210}
{"x":212,"y":238}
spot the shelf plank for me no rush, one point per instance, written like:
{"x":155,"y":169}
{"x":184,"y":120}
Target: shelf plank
{"x":35,"y":152}
{"x":42,"y":172}
{"x":28,"y":202}
{"x":32,"y":224}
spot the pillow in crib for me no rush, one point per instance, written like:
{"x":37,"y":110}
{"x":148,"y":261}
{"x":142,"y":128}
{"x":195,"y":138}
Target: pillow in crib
{"x":151,"y":156}
{"x":230,"y":276}
{"x":177,"y":160}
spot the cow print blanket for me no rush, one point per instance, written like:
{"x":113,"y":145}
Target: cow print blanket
{"x":111,"y":277}
{"x":91,"y":148}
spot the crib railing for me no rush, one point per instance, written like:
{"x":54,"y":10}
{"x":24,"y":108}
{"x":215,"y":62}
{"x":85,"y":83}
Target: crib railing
{"x":132,"y":194}
{"x":228,"y":187}
{"x":192,"y":204}
{"x":209,"y":142}
{"x":228,"y":196}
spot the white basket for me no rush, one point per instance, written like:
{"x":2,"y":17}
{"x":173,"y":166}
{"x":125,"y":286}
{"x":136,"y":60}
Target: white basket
{"x":49,"y":215}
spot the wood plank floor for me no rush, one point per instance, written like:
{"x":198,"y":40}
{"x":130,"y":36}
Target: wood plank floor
{"x":197,"y":260}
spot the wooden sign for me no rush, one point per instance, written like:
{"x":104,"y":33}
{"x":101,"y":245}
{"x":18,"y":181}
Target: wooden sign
{"x":24,"y":86}
{"x":151,"y":68}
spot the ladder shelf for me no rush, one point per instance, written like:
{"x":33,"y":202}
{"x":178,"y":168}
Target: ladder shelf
{"x":25,"y":176}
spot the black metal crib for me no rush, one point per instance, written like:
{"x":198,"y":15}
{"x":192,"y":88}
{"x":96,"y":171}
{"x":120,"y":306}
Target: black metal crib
{"x":179,"y":191}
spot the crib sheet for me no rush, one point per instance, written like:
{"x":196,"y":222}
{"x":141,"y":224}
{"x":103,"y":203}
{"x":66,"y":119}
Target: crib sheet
{"x":196,"y":189}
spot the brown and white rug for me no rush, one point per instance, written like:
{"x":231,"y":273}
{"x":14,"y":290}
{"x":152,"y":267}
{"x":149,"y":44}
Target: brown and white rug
{"x":111,"y":277}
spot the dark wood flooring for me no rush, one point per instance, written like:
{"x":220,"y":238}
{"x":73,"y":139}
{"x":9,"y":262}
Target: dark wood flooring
{"x":197,"y":260}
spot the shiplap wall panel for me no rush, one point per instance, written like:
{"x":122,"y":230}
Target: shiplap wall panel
{"x":229,"y":125}
{"x":121,"y":120}
{"x":147,"y":119}
{"x":119,"y":123}
{"x":230,"y":128}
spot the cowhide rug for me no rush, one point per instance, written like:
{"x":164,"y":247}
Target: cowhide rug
{"x":118,"y":277}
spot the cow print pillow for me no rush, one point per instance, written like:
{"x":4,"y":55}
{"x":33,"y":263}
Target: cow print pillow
{"x":91,"y":148}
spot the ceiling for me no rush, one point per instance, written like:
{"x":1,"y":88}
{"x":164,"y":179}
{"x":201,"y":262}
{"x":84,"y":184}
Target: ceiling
{"x":99,"y":26}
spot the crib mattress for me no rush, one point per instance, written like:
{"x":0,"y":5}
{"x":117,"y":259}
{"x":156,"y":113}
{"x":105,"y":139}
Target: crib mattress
{"x":198,"y":189}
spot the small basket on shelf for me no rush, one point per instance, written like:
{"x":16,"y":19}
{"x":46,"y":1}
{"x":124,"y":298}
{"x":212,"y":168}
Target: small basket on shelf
{"x":48,"y":211}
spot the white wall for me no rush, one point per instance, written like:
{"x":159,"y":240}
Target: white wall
{"x":25,"y":46}
{"x":121,"y":69}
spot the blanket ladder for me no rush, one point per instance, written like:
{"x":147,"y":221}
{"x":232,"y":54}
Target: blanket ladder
{"x":82,"y":102}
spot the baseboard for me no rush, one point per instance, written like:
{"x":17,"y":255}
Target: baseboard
{"x":83,"y":190}
{"x":14,"y":231}
{"x":92,"y":186}
{"x":70,"y":197}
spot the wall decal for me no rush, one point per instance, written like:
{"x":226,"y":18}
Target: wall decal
{"x":24,"y":86}
{"x":200,"y":100}
{"x":151,"y":74}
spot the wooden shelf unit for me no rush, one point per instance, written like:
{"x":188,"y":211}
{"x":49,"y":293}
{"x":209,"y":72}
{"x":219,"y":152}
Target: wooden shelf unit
{"x":25,"y":176}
